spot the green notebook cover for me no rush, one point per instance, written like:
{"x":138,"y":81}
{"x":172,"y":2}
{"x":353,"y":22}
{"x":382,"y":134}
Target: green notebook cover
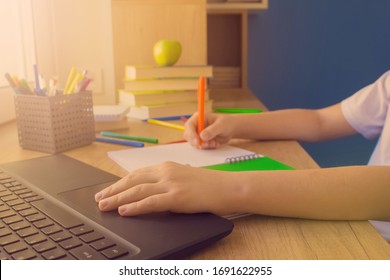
{"x":259,"y":163}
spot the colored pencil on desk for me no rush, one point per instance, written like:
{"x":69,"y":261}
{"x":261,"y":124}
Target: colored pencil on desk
{"x":166,"y":124}
{"x":172,"y":118}
{"x":129,"y":137}
{"x":177,"y":141}
{"x":120,"y":142}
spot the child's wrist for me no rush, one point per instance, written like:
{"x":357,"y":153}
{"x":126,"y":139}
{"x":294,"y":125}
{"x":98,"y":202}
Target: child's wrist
{"x":236,"y":125}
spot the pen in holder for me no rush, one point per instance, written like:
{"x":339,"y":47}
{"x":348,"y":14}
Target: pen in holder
{"x":55,"y":124}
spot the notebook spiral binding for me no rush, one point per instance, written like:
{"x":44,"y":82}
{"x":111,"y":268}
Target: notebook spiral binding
{"x":241,"y":158}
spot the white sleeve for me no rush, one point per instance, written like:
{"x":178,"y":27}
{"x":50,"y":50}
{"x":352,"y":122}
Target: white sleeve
{"x":366,"y":110}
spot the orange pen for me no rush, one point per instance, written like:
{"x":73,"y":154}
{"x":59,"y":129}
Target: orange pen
{"x":201,"y":94}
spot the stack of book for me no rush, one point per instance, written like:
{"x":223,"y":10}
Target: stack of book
{"x":158,"y":92}
{"x":226,"y":77}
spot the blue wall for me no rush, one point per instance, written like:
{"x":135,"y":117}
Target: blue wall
{"x":314,"y":53}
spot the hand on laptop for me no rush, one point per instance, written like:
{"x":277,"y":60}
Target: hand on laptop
{"x":171,"y":187}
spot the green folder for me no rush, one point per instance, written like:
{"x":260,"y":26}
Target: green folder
{"x":252,"y":164}
{"x":238,"y":110}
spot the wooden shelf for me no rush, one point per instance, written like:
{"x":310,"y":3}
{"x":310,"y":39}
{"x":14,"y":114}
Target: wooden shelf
{"x":227,"y":48}
{"x":217,"y":38}
{"x":135,"y":31}
{"x":261,"y":5}
{"x":227,"y":36}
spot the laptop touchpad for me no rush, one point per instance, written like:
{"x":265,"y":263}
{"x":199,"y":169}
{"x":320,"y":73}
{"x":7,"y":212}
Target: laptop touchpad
{"x":84,"y":198}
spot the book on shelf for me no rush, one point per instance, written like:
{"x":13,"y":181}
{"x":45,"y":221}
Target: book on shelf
{"x":133,"y":72}
{"x":161,"y":84}
{"x":225,"y":77}
{"x":165,"y":110}
{"x":138,"y":98}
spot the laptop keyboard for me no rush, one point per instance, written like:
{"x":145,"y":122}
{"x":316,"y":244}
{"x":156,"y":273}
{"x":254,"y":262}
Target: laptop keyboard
{"x":34,"y":228}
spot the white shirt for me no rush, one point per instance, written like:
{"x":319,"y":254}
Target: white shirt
{"x":368,"y":112}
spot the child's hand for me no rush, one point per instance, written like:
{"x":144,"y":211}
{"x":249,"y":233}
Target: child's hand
{"x":217,"y":132}
{"x":171,"y":187}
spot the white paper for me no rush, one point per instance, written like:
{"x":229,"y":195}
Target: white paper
{"x":183,"y":153}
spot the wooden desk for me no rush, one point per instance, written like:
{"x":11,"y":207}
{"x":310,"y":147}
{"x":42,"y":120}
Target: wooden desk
{"x":254,"y":237}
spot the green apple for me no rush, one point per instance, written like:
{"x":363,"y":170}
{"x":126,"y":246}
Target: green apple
{"x":166,"y":52}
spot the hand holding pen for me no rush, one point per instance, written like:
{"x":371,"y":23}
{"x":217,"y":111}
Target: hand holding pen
{"x":209,"y":131}
{"x":197,"y":133}
{"x":217,"y":131}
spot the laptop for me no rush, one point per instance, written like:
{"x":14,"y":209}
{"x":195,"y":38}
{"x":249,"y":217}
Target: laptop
{"x":48,"y":211}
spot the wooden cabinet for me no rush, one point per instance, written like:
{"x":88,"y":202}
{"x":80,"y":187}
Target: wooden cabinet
{"x":227,"y":48}
{"x":227,"y":32}
{"x":210,"y":33}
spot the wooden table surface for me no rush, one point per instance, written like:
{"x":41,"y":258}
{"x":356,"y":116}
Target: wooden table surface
{"x":255,"y":236}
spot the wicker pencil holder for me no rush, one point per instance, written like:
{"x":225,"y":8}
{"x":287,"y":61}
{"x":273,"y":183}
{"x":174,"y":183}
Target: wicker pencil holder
{"x":55,"y":124}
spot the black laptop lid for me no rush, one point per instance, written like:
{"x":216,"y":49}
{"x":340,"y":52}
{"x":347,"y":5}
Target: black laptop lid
{"x":69,"y":184}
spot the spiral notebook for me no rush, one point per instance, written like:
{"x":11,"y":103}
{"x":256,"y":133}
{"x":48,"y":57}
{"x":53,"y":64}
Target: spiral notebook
{"x":226,"y":158}
{"x":250,"y":162}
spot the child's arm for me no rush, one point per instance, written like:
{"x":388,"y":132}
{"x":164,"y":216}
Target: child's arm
{"x":297,"y":124}
{"x":350,"y":193}
{"x":344,"y":193}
